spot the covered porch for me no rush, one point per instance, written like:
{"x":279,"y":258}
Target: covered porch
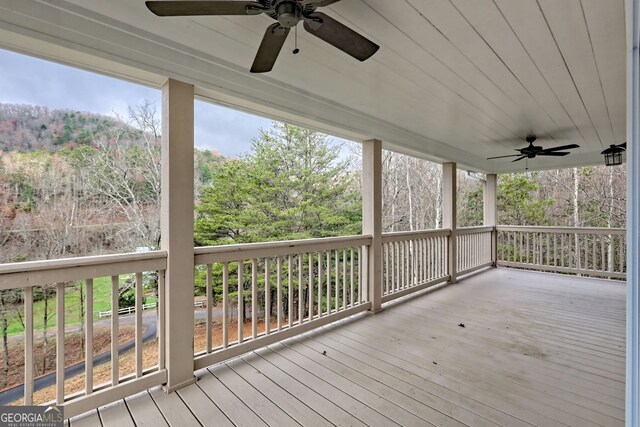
{"x":536,"y":349}
{"x":431,"y":329}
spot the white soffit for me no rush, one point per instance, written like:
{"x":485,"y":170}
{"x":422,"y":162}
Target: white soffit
{"x":454,"y":80}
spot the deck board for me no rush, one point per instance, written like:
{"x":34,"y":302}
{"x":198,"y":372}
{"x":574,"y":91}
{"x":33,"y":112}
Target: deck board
{"x":537,"y":349}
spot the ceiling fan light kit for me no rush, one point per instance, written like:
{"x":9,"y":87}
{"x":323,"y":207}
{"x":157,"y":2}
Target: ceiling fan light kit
{"x":287,"y":13}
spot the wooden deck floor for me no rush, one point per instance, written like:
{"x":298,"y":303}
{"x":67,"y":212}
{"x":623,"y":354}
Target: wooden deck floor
{"x":536,"y":349}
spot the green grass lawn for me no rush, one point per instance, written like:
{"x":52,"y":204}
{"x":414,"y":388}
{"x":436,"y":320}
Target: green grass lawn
{"x":101,"y":302}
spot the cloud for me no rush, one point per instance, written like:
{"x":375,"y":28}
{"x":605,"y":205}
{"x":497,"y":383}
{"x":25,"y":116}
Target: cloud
{"x":225,"y":130}
{"x":27,"y":80}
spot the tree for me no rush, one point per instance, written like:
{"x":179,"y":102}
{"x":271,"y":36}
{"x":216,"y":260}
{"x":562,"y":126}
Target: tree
{"x":518,"y":203}
{"x":293,"y":185}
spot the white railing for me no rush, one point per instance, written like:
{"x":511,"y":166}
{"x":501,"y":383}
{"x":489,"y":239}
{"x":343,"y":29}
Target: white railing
{"x":285,"y":288}
{"x":126,"y":310}
{"x":599,"y":252}
{"x":132,"y":309}
{"x":258,"y":294}
{"x":62,"y":273}
{"x":474,"y":249}
{"x":413,"y":261}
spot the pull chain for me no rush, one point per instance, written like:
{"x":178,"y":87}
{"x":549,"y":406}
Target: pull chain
{"x":296,"y":50}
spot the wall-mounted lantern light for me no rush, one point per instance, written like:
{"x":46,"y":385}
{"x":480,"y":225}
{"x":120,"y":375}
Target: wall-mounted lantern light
{"x":613,"y":154}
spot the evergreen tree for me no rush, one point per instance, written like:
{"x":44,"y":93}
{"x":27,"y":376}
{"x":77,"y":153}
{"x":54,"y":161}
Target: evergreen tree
{"x":293,"y":185}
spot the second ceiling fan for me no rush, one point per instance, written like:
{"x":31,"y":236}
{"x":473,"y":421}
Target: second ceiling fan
{"x":532,"y":151}
{"x":287,"y":13}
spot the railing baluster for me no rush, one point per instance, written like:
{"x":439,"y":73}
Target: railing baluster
{"x":115,"y":369}
{"x":300,"y":288}
{"x":139,"y":325}
{"x":241,"y":301}
{"x":360,"y":274}
{"x":60,"y":343}
{"x":603,"y":264}
{"x":329,"y":282}
{"x":290,"y":292}
{"x":267,"y":296}
{"x":337,"y":289}
{"x":310,"y":290}
{"x":28,"y":345}
{"x":622,"y":256}
{"x":254,"y":298}
{"x":209,"y":325}
{"x":225,"y":306}
{"x":394,"y":266}
{"x":88,"y":331}
{"x":320,"y":278}
{"x":161,"y":314}
{"x":352,"y":281}
{"x":344,"y":279}
{"x":385,"y":249}
{"x":279,"y":293}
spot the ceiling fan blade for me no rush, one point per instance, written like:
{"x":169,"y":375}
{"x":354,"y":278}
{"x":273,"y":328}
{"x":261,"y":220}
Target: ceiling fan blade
{"x":502,"y":157}
{"x":519,"y":158}
{"x":340,"y":36}
{"x":623,"y":145}
{"x":204,"y":7}
{"x":324,"y":3}
{"x":554,"y":153}
{"x":559,"y":148}
{"x":270,"y":47}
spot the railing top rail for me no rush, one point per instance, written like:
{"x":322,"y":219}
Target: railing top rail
{"x":474,"y":230}
{"x":400,"y":236}
{"x":566,"y":230}
{"x":34,"y":273}
{"x":231,"y":253}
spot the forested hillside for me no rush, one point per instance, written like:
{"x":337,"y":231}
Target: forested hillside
{"x":27,"y":128}
{"x":74,"y":184}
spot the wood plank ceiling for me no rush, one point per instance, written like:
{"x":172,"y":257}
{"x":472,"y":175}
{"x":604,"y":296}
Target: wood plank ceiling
{"x":457,"y":80}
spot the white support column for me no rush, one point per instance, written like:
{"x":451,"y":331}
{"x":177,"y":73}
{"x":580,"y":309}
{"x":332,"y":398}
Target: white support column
{"x":176,"y":223}
{"x":491,"y":212}
{"x":633,"y":213}
{"x":449,"y":214}
{"x":372,"y":217}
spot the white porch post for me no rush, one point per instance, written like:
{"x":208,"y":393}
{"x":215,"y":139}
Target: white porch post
{"x":633,"y":213}
{"x":372,"y":217}
{"x":449,"y":213}
{"x":490,"y":215}
{"x":176,"y":223}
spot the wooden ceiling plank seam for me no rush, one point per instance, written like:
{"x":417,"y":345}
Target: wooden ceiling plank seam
{"x":542,"y":74}
{"x":481,"y":130}
{"x":608,"y":41}
{"x":282,"y":98}
{"x":431,"y":76}
{"x":573,"y":81}
{"x":444,"y":70}
{"x":528,"y":24}
{"x":457,"y":28}
{"x":447,"y":66}
{"x":576,"y":51}
{"x":604,"y":96}
{"x":493,"y":46}
{"x":463,"y":155}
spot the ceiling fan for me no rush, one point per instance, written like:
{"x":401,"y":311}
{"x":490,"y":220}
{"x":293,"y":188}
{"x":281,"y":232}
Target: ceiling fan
{"x":288,"y":13}
{"x":532,"y":151}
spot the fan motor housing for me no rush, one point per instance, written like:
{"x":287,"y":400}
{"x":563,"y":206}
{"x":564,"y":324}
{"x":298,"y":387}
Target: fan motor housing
{"x":287,"y":12}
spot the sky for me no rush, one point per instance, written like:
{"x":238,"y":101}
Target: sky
{"x":27,"y":80}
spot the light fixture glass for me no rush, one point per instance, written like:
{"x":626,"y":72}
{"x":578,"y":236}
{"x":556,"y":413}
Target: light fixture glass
{"x":613,"y":155}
